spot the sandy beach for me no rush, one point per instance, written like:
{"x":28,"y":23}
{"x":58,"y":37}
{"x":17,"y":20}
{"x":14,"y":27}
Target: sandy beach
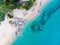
{"x":37,"y":7}
{"x":7,"y":31}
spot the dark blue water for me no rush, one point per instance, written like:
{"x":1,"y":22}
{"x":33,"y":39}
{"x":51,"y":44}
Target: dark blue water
{"x":49,"y":35}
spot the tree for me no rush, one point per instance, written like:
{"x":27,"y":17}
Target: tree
{"x":11,"y":1}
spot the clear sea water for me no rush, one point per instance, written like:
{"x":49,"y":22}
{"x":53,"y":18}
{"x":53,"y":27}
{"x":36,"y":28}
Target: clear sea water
{"x":50,"y":34}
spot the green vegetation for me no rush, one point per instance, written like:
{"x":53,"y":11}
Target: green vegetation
{"x":12,"y":4}
{"x":10,"y":16}
{"x":19,"y":5}
{"x":8,"y":5}
{"x":28,"y":4}
{"x":2,"y":16}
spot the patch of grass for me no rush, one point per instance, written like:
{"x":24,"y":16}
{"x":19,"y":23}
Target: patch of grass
{"x":10,"y":16}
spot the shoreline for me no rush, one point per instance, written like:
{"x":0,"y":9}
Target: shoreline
{"x":8,"y":33}
{"x":37,"y":9}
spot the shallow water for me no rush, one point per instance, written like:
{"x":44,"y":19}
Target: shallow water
{"x":50,"y":34}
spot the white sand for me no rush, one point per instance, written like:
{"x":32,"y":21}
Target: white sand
{"x":37,"y":7}
{"x":7,"y":32}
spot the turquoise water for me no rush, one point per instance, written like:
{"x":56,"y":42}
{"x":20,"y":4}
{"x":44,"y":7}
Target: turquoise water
{"x":50,"y":34}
